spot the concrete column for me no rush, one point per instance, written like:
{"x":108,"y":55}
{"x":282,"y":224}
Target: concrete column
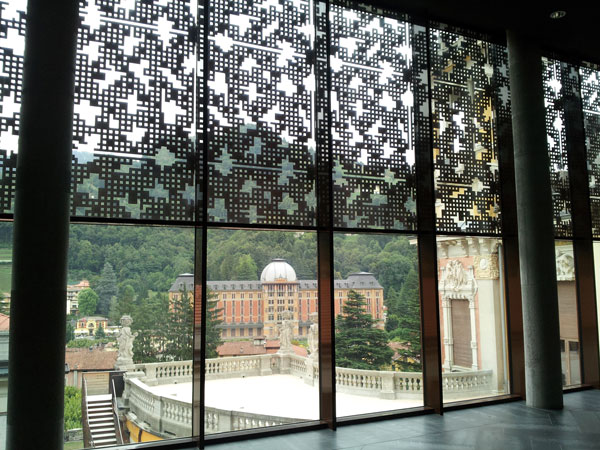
{"x":543,"y":380}
{"x":41,"y":229}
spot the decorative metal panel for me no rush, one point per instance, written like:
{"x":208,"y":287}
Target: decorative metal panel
{"x":464,"y":141}
{"x":323,"y":116}
{"x":261,"y":98}
{"x":372,"y":108}
{"x":12,"y":45}
{"x":133,"y":149}
{"x":590,"y":96}
{"x":557,"y":148}
{"x":133,"y":125}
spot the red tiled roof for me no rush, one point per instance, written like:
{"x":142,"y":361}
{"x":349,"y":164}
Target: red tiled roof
{"x":238,"y":348}
{"x":85,"y":359}
{"x":241,"y":348}
{"x":4,"y":322}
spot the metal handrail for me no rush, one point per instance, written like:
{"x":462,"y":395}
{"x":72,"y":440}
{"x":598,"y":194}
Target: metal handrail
{"x":116,"y":410}
{"x":87,"y":429}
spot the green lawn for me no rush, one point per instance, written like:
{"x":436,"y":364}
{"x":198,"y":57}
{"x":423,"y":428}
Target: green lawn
{"x":5,"y":274}
{"x":5,"y":268}
{"x":73,"y":445}
{"x":5,"y":253}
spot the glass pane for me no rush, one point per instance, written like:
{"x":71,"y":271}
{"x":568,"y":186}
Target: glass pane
{"x":372,"y":108}
{"x":261,"y":101}
{"x":472,"y":317}
{"x":262,"y":330}
{"x":465,"y":152}
{"x":567,"y":311}
{"x":5,"y":292}
{"x":377,"y":324}
{"x":123,"y":316}
{"x":557,"y":148}
{"x":590,"y":97}
{"x":597,"y":278}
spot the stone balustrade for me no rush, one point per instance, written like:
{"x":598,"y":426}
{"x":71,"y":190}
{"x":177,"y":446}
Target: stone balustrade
{"x":220,"y":420}
{"x":170,"y":417}
{"x":459,"y":385}
{"x":166,"y":372}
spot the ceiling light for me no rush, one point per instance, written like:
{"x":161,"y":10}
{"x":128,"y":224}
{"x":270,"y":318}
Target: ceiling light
{"x":558,"y":14}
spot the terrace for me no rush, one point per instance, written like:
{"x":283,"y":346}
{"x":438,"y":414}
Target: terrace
{"x":273,"y":389}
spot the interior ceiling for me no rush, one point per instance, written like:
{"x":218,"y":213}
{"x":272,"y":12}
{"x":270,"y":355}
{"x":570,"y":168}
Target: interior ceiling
{"x":576,"y":36}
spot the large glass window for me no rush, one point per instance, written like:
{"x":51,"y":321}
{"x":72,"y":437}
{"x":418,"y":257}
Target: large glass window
{"x":5,"y":285}
{"x":557,"y":147}
{"x":128,"y":312}
{"x":472,"y":317}
{"x":465,"y":148}
{"x":567,"y":313}
{"x":261,"y":103}
{"x":373,"y":116}
{"x":377,"y":324}
{"x":262,"y":366}
{"x":298,"y":103}
{"x":590,"y":90}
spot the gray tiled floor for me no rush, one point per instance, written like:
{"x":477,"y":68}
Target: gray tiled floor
{"x":509,"y":426}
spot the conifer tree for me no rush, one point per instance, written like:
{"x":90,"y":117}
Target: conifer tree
{"x":106,"y":289}
{"x":180,"y":327}
{"x":358,"y":344}
{"x":213,"y":320}
{"x":100,"y":332}
{"x":409,"y":324}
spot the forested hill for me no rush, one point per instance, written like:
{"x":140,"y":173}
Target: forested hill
{"x":150,"y":258}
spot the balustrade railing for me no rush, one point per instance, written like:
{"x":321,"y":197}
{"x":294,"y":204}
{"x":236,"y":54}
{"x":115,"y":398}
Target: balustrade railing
{"x":174,"y":417}
{"x":219,"y":420}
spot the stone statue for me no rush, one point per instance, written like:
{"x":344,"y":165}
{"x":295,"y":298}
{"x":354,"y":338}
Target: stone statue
{"x":125,"y":340}
{"x":565,"y":267}
{"x":286,"y":332}
{"x":455,"y":276}
{"x":313,"y":337}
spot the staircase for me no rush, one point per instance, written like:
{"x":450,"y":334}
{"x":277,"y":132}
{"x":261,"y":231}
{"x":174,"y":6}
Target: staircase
{"x":101,"y":420}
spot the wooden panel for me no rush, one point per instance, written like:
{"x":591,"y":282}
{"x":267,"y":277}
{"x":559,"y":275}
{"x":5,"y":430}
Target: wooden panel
{"x":97,"y":383}
{"x":461,"y":333}
{"x":567,"y":310}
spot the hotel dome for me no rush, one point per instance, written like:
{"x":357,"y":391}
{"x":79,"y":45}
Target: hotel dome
{"x":278,"y":269}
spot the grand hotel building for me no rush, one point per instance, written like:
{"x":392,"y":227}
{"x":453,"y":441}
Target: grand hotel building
{"x":255,"y":307}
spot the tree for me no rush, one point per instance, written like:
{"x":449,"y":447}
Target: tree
{"x":358,"y":344}
{"x":245,"y":269}
{"x":107,"y":289}
{"x":72,"y":417}
{"x":149,"y":320}
{"x":123,"y":304}
{"x":88,"y":301}
{"x":391,"y":322}
{"x":213,"y":320}
{"x":180,"y":328}
{"x":409,"y":323}
{"x":100,"y":332}
{"x":70,"y":334}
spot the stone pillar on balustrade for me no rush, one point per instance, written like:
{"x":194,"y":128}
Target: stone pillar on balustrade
{"x":286,"y":333}
{"x":313,"y":349}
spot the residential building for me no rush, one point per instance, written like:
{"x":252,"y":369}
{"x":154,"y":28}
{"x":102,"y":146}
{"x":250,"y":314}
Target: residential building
{"x":88,"y":325}
{"x":73,"y":291}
